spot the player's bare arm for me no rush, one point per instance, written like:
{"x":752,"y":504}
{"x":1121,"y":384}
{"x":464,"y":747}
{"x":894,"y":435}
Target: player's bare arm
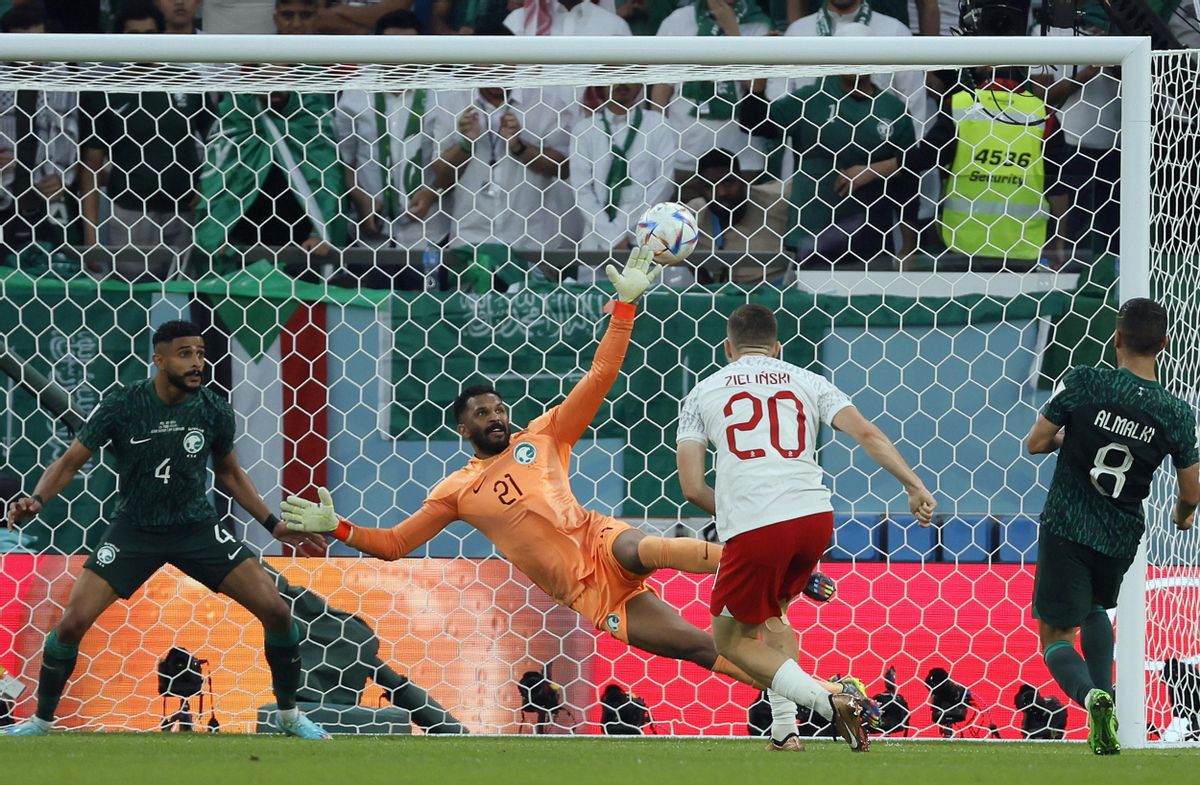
{"x":851,"y":422}
{"x":53,"y":480}
{"x":689,"y":459}
{"x":1044,"y":437}
{"x":233,"y":478}
{"x":1184,"y":514}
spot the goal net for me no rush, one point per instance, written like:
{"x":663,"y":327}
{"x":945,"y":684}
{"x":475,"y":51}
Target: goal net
{"x":363,"y":228}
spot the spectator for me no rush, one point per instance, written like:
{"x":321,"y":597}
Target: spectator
{"x":619,"y":165}
{"x":859,"y":18}
{"x":386,"y":147}
{"x":1002,"y":150}
{"x":996,"y":208}
{"x":703,"y":111}
{"x":238,"y":17}
{"x":929,"y":15}
{"x":180,"y":16}
{"x":271,"y":175}
{"x":39,"y":138}
{"x":947,"y":17}
{"x":502,"y":151}
{"x":477,"y":17}
{"x":359,"y":17}
{"x":745,"y":224}
{"x":837,"y":127}
{"x":437,"y":16}
{"x":297,"y":17}
{"x":64,"y":16}
{"x":565,"y":17}
{"x":856,"y":18}
{"x":568,"y":17}
{"x":1089,"y":107}
{"x":144,"y":145}
{"x":645,"y":16}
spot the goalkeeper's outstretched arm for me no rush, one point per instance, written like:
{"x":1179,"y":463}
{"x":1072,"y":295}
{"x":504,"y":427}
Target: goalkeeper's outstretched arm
{"x":53,"y":480}
{"x":573,"y":416}
{"x":302,"y":515}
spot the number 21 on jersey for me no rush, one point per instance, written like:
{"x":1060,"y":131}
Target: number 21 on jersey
{"x":778,"y":422}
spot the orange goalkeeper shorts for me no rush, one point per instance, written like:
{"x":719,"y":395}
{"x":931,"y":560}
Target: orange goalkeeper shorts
{"x":610,"y":587}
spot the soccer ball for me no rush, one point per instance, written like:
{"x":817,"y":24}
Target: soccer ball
{"x":670,"y":230}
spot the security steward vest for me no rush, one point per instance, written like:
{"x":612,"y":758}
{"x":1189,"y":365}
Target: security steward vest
{"x":994,"y":203}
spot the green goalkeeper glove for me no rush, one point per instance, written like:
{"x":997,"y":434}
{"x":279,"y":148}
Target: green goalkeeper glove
{"x":640,"y":271}
{"x":301,"y":515}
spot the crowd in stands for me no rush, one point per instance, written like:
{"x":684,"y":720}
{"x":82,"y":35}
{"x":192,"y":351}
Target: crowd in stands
{"x":847,"y":171}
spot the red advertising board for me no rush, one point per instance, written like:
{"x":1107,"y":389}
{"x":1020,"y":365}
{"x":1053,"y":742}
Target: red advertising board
{"x":467,"y":630}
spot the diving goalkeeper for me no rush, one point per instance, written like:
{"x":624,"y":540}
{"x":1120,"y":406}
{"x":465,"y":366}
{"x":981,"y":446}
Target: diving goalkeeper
{"x":516,"y":491}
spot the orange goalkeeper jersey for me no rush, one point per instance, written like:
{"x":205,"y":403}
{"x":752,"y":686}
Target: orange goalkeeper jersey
{"x":521,"y":499}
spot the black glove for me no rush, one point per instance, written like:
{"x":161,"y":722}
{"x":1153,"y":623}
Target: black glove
{"x":820,"y":587}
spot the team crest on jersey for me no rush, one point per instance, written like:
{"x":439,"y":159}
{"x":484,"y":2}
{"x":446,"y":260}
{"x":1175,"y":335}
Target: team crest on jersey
{"x":107,"y":554}
{"x":613,"y":622}
{"x":524,"y":453}
{"x":193,"y":441}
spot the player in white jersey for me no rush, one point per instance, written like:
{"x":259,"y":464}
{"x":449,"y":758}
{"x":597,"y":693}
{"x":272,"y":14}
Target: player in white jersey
{"x":773,"y":511}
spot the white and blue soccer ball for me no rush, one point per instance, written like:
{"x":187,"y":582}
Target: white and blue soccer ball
{"x":670,"y":230}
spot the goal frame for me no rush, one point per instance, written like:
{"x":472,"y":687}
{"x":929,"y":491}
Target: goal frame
{"x":1132,"y":55}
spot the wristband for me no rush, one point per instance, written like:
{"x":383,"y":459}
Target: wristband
{"x":270,"y":522}
{"x":623,"y":310}
{"x":343,"y":531}
{"x":464,"y":144}
{"x":37,"y":497}
{"x":521,"y":151}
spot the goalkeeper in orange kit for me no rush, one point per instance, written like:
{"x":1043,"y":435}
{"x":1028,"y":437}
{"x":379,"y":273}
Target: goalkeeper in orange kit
{"x":516,"y":491}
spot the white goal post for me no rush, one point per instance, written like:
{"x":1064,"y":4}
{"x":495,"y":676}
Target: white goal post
{"x":117,"y":63}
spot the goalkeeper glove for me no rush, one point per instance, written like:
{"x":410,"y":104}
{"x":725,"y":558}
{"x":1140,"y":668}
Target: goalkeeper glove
{"x":820,"y":587}
{"x":301,"y":515}
{"x":640,"y":271}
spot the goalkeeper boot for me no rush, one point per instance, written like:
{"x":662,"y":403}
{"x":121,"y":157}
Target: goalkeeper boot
{"x":791,"y":744}
{"x":34,"y":726}
{"x":848,"y":720}
{"x":1102,"y":723}
{"x":300,"y":726}
{"x":854,"y":687}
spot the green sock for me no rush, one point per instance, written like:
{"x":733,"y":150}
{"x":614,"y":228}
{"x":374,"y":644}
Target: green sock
{"x":283,"y":657}
{"x":1069,"y":670}
{"x":58,"y":663}
{"x":1096,"y":639}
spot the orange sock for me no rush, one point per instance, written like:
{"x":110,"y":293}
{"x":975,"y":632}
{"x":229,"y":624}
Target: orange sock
{"x":679,"y":553}
{"x":726,"y":667}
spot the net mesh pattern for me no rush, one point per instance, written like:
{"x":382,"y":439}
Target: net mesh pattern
{"x":357,"y":255}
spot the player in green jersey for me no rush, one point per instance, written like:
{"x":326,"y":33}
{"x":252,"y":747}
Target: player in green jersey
{"x":1112,"y":430}
{"x":161,"y":433}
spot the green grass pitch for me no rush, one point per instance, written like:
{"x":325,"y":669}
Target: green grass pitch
{"x":181,"y":759}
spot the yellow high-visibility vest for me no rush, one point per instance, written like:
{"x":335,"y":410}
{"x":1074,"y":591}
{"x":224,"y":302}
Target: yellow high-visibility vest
{"x":995,"y":202}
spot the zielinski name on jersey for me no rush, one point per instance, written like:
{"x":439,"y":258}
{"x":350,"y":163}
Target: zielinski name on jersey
{"x":762,"y":377}
{"x":1116,"y":424}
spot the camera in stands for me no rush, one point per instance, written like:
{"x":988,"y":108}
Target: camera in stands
{"x":994,"y":17}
